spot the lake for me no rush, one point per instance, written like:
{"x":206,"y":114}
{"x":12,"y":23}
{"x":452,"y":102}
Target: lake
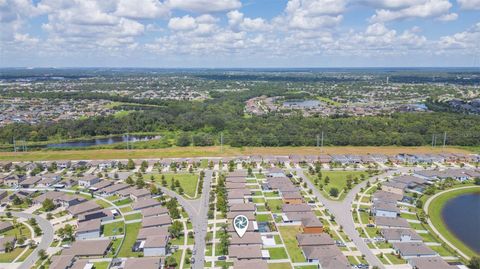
{"x":102,"y":141}
{"x":462,"y":217}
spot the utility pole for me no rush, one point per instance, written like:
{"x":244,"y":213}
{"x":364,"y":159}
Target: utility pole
{"x":444,"y":139}
{"x":321,"y":149}
{"x":221,"y":142}
{"x":318,"y":140}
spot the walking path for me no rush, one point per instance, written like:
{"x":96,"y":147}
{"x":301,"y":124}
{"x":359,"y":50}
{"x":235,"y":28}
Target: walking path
{"x":434,"y":229}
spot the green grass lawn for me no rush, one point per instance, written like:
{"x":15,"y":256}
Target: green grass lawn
{"x":282,"y":265}
{"x":187,"y":181}
{"x":25,"y":255}
{"x":10,"y":256}
{"x":126,"y":209}
{"x":275,"y":205}
{"x":394,"y":259}
{"x":101,"y":265}
{"x":123,"y":202}
{"x":102,"y":203}
{"x":133,"y":216}
{"x":130,"y":238}
{"x":114,"y":228}
{"x":338,"y":179}
{"x":289,"y":234}
{"x":277,"y":253}
{"x":22,"y":230}
{"x":435,"y":213}
{"x":263,"y":218}
{"x":307,"y":267}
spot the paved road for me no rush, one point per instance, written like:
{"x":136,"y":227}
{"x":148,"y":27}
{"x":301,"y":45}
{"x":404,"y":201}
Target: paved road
{"x":343,"y":214}
{"x":197,"y":211}
{"x":46,"y":241}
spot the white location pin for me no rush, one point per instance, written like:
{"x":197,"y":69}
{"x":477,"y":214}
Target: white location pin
{"x":240,"y":223}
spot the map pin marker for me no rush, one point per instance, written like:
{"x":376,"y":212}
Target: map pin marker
{"x":240,"y":223}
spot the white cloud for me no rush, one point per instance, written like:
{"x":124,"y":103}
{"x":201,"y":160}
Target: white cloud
{"x":184,"y":23}
{"x":313,"y":14}
{"x":238,"y":22}
{"x":469,"y":4}
{"x":142,"y":9}
{"x":413,"y":9}
{"x":467,"y":40}
{"x":448,"y":17}
{"x":205,"y":6}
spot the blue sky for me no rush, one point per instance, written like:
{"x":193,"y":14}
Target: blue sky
{"x":235,"y":33}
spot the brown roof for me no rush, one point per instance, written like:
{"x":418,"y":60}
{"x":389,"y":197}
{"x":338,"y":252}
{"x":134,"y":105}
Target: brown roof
{"x":144,"y":203}
{"x":143,"y":263}
{"x":88,"y":226}
{"x":88,"y":248}
{"x":292,"y":195}
{"x":235,"y":185}
{"x":329,"y":256}
{"x":413,"y":249}
{"x":61,"y":261}
{"x":242,"y":207}
{"x":157,"y":241}
{"x":430,"y":263}
{"x":83,"y":208}
{"x":5,"y":225}
{"x":314,"y":239}
{"x":102,"y":184}
{"x":238,"y":173}
{"x":391,"y":222}
{"x":154,"y":211}
{"x":249,"y":238}
{"x":152,"y":231}
{"x":245,"y":252}
{"x":249,"y":215}
{"x":115,"y":188}
{"x":156,"y":221}
{"x":250,"y":264}
{"x":396,"y":234}
{"x":296,"y":208}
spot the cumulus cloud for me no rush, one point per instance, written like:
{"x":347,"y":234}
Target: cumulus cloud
{"x":467,"y":40}
{"x":238,"y":22}
{"x":314,"y":14}
{"x":142,"y":9}
{"x":411,"y":9}
{"x":469,"y":4}
{"x":205,"y":6}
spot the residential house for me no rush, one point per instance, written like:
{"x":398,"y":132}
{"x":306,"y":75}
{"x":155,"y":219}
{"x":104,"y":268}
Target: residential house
{"x":383,"y":209}
{"x":410,"y":250}
{"x":5,"y":226}
{"x":430,"y":263}
{"x":83,"y":208}
{"x":143,"y":263}
{"x":88,"y":248}
{"x":88,"y":181}
{"x":249,"y":264}
{"x":245,"y":252}
{"x":88,"y":229}
{"x":386,"y":222}
{"x":145,"y":203}
{"x":156,"y":221}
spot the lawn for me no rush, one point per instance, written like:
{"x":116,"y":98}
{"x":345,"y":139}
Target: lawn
{"x":101,"y":265}
{"x":282,"y":265}
{"x":133,"y":216}
{"x":25,"y":255}
{"x":123,"y":202}
{"x":18,"y":232}
{"x":338,"y":179}
{"x":435,"y":213}
{"x":263,"y":217}
{"x":289,"y":234}
{"x":187,"y":181}
{"x":275,"y":205}
{"x":114,"y":228}
{"x":394,"y":259}
{"x":277,"y":253}
{"x":130,"y":238}
{"x":102,"y":203}
{"x":9,"y":257}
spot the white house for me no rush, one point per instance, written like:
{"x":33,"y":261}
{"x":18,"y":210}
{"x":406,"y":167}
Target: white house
{"x":88,"y":229}
{"x":88,"y":181}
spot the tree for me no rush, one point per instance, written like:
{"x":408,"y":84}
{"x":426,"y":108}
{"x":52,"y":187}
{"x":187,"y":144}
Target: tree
{"x":170,"y":261}
{"x":333,"y":192}
{"x":419,"y":203}
{"x":42,"y":254}
{"x":16,"y":200}
{"x":474,"y":262}
{"x":33,"y":221}
{"x":153,"y":189}
{"x":176,"y":229}
{"x":477,"y":181}
{"x":130,"y":164}
{"x":129,"y":181}
{"x":140,"y":183}
{"x":8,"y":246}
{"x":327,"y":180}
{"x":48,"y":205}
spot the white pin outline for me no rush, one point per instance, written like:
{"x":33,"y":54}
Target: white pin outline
{"x":240,"y":231}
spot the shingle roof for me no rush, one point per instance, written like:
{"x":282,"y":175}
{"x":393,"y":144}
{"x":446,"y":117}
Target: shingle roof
{"x":314,"y":239}
{"x":143,"y":263}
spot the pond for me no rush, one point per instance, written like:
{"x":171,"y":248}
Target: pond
{"x":462,"y":217}
{"x":102,"y":141}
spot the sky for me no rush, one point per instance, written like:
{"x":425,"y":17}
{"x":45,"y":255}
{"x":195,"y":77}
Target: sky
{"x":239,"y":33}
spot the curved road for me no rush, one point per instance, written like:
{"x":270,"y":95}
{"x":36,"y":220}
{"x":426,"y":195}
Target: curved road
{"x":47,"y":237}
{"x":425,"y":209}
{"x":343,"y":214}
